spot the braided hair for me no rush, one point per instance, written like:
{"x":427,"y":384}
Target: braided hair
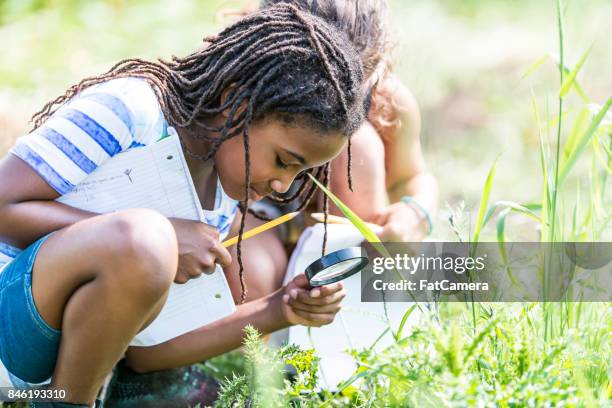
{"x":279,"y":61}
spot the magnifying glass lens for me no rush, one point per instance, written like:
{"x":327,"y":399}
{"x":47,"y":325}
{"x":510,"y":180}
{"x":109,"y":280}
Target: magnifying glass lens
{"x":335,"y":270}
{"x":336,"y":266}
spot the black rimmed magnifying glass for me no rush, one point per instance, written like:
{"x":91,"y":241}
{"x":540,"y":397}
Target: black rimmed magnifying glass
{"x":336,"y":266}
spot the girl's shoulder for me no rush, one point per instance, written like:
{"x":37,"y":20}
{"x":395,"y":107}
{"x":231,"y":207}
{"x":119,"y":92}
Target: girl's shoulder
{"x":89,"y":129}
{"x":394,"y":108}
{"x":135,"y":101}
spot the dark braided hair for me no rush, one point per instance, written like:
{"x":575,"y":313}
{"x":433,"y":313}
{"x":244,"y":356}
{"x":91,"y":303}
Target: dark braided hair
{"x":280,"y":61}
{"x":364,"y":22}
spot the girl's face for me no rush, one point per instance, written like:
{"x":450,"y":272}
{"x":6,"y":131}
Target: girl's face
{"x":278,"y":154}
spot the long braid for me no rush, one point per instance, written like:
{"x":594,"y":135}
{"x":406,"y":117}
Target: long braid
{"x":349,"y":165}
{"x":247,"y":158}
{"x":277,"y":62}
{"x":327,"y":171}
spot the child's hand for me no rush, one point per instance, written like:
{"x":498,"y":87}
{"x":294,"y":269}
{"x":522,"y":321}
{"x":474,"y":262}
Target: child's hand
{"x":311,"y":307}
{"x":199,"y":249}
{"x":401,"y":223}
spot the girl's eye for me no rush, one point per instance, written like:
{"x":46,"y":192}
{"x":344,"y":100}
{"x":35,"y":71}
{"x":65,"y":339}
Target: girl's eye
{"x":280,"y":164}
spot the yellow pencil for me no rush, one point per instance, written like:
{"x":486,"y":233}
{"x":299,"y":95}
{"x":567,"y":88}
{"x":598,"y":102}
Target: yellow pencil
{"x":261,"y":228}
{"x":334,"y":219}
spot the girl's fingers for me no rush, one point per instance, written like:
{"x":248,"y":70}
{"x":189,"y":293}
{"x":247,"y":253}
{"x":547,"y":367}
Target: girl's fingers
{"x":300,"y":281}
{"x":223,"y":256}
{"x":326,"y":290}
{"x":332,"y":308}
{"x":305,"y":297}
{"x":315,"y":319}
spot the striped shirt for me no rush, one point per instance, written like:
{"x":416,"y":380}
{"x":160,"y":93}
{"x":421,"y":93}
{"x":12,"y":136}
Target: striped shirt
{"x":88,"y":130}
{"x":92,"y":127}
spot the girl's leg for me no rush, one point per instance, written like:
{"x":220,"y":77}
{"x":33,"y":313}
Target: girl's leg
{"x":264,"y":258}
{"x":101,"y":281}
{"x":265,"y":263}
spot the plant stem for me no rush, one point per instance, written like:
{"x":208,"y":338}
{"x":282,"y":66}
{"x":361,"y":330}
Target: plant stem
{"x":553,"y":213}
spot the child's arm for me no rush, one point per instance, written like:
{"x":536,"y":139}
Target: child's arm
{"x":315,"y":307}
{"x":27,"y":209}
{"x":407,"y":174}
{"x":388,"y":163}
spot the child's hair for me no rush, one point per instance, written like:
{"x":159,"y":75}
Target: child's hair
{"x":365,"y":23}
{"x":280,"y":61}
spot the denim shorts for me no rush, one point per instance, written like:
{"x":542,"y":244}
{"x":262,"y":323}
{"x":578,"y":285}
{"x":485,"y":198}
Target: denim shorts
{"x":28,"y":345}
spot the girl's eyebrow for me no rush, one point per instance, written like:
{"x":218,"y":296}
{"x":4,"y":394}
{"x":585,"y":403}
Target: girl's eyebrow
{"x":297,"y":156}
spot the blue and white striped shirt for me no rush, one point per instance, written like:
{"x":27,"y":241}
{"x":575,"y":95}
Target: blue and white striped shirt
{"x":88,"y":130}
{"x":91,"y":128}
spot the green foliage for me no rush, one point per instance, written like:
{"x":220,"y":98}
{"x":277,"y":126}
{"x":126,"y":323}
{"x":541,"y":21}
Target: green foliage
{"x":265,"y":382}
{"x":501,"y":366}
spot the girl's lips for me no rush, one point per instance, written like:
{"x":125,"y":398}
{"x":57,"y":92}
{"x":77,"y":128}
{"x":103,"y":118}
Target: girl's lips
{"x":254,"y":195}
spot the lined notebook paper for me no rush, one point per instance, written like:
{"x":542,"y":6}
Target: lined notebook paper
{"x":156,"y":177}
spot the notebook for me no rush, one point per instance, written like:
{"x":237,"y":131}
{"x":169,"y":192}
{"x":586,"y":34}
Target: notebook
{"x":157,"y":177}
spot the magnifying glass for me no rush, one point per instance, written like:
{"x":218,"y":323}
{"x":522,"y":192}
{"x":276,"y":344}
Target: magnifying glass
{"x":336,"y":266}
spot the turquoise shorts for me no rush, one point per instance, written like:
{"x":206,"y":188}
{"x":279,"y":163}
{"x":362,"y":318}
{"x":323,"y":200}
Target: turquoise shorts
{"x":28,"y":345}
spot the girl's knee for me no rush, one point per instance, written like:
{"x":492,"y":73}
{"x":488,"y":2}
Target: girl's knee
{"x":142,"y":243}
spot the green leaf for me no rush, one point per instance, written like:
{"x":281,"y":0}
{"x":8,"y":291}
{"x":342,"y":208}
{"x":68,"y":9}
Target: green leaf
{"x":584,"y":141}
{"x":566,"y":71}
{"x":578,"y":128}
{"x":478,"y":339}
{"x":534,"y":67}
{"x":484,"y":200}
{"x":398,"y":335}
{"x":569,"y":80}
{"x":367,"y":233}
{"x":513,"y":206}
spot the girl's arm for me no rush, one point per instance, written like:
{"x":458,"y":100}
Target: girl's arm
{"x":28,"y":212}
{"x":314,"y":307}
{"x":407,"y":173}
{"x":27,"y":209}
{"x":387,"y":164}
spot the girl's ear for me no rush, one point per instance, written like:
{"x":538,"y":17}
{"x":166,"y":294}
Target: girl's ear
{"x":227,"y":93}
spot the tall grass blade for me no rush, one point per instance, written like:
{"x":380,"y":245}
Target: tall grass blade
{"x":398,"y":335}
{"x":579,"y":127}
{"x":478,"y":339}
{"x":584,"y":141}
{"x":367,"y":233}
{"x":484,"y":201}
{"x":566,"y":71}
{"x":535,"y":66}
{"x":569,"y":81}
{"x":511,"y":206}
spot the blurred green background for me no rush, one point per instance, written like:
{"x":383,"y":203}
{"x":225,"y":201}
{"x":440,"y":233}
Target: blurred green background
{"x":463,"y":60}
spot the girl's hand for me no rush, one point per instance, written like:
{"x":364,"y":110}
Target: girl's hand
{"x":401,"y":223}
{"x":199,"y":249}
{"x":311,"y":307}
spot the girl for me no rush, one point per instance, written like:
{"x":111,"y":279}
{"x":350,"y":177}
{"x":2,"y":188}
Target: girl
{"x":389,"y":185}
{"x":285,"y":82}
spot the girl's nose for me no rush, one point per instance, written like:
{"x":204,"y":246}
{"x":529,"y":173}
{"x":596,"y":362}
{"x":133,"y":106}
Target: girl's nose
{"x":280,"y":186}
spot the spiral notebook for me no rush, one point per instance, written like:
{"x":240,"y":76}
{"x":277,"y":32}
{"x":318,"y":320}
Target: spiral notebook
{"x":157,"y":177}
